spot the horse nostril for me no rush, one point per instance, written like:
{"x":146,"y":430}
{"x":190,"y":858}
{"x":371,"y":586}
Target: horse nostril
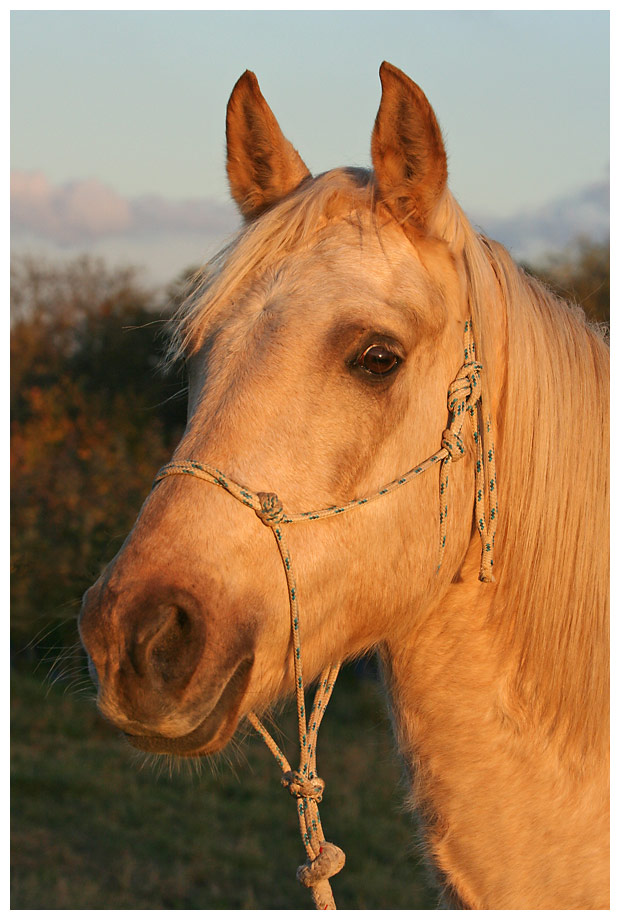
{"x":171,"y":646}
{"x":168,"y":646}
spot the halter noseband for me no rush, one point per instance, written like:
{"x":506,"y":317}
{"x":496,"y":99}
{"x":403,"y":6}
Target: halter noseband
{"x":464,"y":397}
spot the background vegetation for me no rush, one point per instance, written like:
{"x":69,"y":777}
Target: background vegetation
{"x":93,"y":825}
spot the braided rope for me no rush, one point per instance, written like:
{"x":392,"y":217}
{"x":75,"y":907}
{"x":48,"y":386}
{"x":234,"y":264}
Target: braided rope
{"x":464,"y":398}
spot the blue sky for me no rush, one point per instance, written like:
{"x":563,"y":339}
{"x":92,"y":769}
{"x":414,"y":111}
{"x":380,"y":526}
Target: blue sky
{"x":117,"y":118}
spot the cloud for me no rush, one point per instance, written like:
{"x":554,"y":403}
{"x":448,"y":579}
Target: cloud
{"x":552,"y":227}
{"x":78,"y":210}
{"x":84,"y":211}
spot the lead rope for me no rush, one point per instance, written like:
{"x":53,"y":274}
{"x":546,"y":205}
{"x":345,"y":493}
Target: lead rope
{"x":324,"y":859}
{"x":464,"y":398}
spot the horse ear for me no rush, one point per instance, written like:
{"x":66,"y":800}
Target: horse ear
{"x":408,"y":155}
{"x":262,"y":165}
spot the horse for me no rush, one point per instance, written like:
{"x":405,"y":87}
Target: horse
{"x":320,"y":344}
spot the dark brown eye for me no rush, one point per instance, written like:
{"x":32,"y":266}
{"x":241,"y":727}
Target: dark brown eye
{"x":378,"y":360}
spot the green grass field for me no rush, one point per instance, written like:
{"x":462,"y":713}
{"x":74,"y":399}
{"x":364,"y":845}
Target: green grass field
{"x":95,"y":825}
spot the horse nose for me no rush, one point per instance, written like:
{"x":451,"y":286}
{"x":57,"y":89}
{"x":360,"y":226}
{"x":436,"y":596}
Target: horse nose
{"x":145,"y":649}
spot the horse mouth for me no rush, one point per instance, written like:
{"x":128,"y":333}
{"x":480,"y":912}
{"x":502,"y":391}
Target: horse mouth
{"x":215,"y":730}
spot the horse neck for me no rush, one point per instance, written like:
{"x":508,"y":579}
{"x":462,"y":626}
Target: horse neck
{"x":498,"y":692}
{"x":507,"y":822}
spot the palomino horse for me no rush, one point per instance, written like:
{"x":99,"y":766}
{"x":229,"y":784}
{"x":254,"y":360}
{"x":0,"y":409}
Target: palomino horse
{"x":322,"y":343}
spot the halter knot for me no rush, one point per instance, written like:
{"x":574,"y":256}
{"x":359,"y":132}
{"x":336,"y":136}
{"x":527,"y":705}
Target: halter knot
{"x":303,"y":788}
{"x":464,"y":392}
{"x":453,"y":443}
{"x":330,"y":861}
{"x":271,"y":511}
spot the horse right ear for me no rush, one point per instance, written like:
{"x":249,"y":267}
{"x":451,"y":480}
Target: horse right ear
{"x":262,"y":165}
{"x":408,"y":155}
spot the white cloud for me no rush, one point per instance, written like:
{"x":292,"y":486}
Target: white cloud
{"x":81,"y":212}
{"x":166,"y":236}
{"x":553,"y":226}
{"x":76,"y":211}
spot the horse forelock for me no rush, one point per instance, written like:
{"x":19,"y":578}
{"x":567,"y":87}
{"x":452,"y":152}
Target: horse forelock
{"x":262,"y":244}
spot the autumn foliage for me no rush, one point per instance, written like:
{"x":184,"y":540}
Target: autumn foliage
{"x":579,"y":274}
{"x":92,"y":420}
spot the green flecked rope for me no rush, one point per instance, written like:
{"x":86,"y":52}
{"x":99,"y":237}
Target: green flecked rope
{"x":464,"y":398}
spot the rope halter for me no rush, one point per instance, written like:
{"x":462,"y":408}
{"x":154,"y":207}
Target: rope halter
{"x":464,"y":398}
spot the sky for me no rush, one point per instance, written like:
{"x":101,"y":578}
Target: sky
{"x":117,"y":119}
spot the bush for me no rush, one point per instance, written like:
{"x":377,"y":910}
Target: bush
{"x":581,"y":274}
{"x":91,"y":422}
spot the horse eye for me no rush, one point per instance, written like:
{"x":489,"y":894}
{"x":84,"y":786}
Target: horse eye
{"x":378,"y":360}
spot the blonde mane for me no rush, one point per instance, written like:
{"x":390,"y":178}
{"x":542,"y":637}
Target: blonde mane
{"x":551,"y":547}
{"x":551,"y":608}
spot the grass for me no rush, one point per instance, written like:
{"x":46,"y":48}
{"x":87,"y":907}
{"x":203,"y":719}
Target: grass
{"x":95,"y":825}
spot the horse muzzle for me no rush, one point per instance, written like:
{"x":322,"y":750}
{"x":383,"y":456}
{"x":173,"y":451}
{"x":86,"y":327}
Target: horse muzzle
{"x":213,"y":732}
{"x":161,"y":678}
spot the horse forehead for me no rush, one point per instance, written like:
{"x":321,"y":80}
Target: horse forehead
{"x":352,"y":270}
{"x":347,"y":267}
{"x":353,"y":249}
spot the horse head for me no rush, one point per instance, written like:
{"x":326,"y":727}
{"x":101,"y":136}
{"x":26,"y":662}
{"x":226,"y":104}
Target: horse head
{"x":320,"y":345}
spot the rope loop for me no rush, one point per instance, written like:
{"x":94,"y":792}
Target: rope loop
{"x":329,"y":862}
{"x":301,"y":787}
{"x":466,"y":389}
{"x":453,"y":443}
{"x":271,"y":511}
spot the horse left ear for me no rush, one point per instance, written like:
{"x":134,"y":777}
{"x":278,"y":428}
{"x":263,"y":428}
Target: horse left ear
{"x":262,"y":165}
{"x":408,"y":155}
